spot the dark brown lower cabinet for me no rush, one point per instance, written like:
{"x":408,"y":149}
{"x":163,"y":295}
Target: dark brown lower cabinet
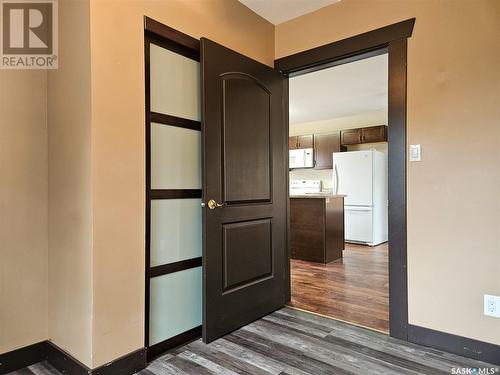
{"x":317,"y":228}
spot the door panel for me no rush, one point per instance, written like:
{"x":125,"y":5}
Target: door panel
{"x":175,"y":303}
{"x":245,"y":132}
{"x":247,"y":253}
{"x":175,"y":230}
{"x":175,"y":157}
{"x":245,"y":168}
{"x":292,"y":143}
{"x":174,"y":84}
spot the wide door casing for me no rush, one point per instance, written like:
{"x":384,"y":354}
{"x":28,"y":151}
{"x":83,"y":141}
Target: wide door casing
{"x":245,"y":167}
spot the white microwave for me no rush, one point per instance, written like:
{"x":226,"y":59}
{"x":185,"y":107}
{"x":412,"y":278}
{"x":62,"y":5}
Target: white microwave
{"x":301,"y":158}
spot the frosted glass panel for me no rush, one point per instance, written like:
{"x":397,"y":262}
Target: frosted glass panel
{"x":175,"y":304}
{"x":175,"y":157}
{"x":175,"y":84}
{"x":175,"y":230}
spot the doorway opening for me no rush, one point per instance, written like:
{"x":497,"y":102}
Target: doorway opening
{"x":339,"y":264}
{"x":392,"y":40}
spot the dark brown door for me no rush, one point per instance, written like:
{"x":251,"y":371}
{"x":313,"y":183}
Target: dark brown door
{"x":245,"y":167}
{"x":350,"y":137}
{"x":324,"y":146}
{"x":305,"y":141}
{"x":293,"y":143}
{"x":374,"y":134}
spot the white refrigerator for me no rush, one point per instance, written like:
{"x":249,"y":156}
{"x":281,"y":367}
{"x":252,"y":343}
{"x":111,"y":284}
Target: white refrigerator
{"x":362,"y":177}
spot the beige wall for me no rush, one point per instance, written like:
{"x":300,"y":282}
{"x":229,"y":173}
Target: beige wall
{"x":118,"y":146}
{"x":453,"y":111}
{"x":70,"y":220}
{"x":23,"y":208}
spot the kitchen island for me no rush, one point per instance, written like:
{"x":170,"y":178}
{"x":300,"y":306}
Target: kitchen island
{"x":317,"y":227}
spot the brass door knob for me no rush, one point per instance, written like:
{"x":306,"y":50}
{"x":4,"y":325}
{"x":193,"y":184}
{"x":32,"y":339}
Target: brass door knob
{"x":212,"y":204}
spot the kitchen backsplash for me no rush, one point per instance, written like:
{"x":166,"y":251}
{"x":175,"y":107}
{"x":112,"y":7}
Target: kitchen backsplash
{"x":325,"y":175}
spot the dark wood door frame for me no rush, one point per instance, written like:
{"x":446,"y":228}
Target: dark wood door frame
{"x":390,"y":39}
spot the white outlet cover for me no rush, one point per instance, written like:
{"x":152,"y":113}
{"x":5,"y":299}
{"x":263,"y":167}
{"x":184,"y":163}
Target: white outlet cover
{"x":492,"y":305}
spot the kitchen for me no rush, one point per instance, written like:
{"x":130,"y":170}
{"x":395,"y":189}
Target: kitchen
{"x":338,"y":192}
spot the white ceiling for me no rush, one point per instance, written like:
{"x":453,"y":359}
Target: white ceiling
{"x":279,"y":11}
{"x":340,"y":91}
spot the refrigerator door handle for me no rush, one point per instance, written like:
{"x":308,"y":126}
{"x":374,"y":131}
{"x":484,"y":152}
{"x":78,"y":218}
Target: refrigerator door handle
{"x":336,"y":180}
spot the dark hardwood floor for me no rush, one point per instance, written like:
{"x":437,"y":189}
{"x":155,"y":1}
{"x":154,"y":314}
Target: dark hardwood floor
{"x":354,"y":289}
{"x":290,"y":341}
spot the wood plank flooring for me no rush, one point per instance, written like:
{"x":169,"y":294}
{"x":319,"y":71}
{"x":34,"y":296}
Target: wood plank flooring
{"x":42,"y":368}
{"x":293,"y":342}
{"x":354,"y":288}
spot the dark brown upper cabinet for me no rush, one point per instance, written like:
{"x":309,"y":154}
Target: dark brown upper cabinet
{"x":364,"y":135}
{"x":306,"y":141}
{"x":292,"y":143}
{"x":324,"y":146}
{"x":350,"y":137}
{"x":301,"y":141}
{"x":374,"y":134}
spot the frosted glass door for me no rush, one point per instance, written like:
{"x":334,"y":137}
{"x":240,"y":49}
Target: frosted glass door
{"x":175,"y":157}
{"x":175,"y":84}
{"x":175,"y":304}
{"x":175,"y":230}
{"x":174,"y":191}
